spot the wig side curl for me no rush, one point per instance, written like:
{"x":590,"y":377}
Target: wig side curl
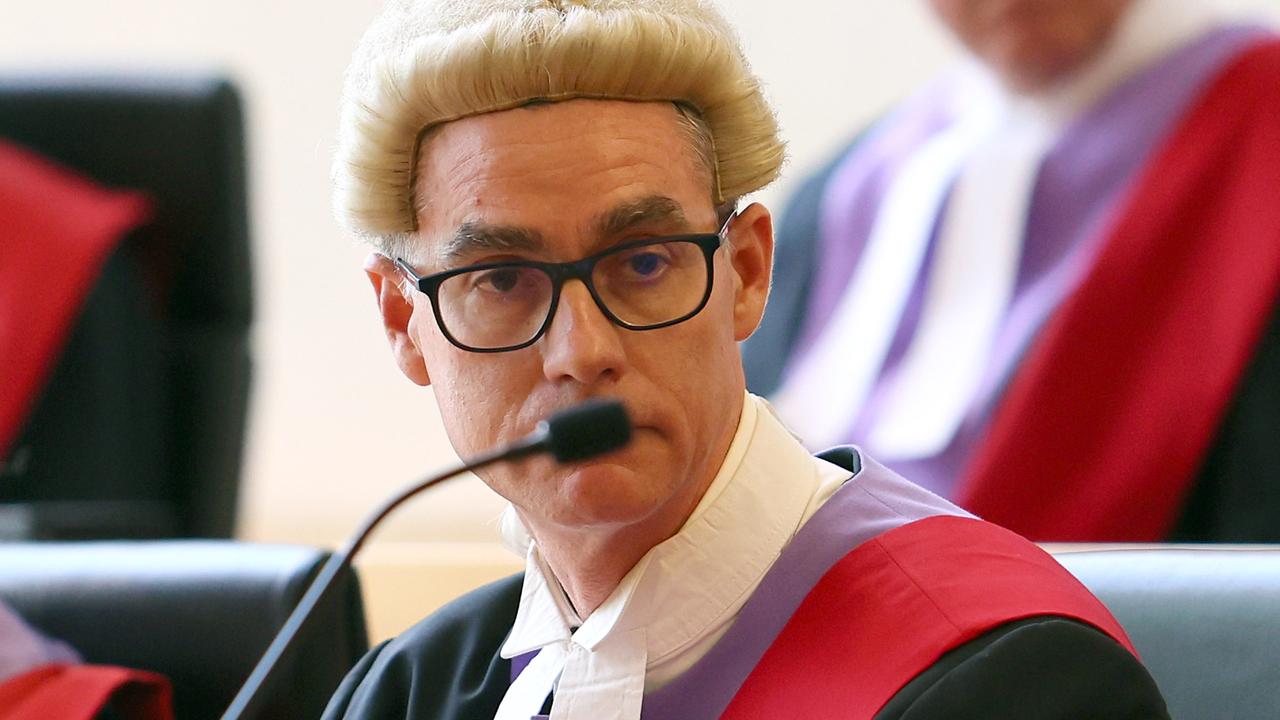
{"x":428,"y":62}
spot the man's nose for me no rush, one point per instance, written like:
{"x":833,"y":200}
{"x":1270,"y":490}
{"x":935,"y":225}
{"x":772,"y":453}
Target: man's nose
{"x":582,"y":344}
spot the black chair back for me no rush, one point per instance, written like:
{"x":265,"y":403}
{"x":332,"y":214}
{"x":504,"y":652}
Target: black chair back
{"x":198,"y":612}
{"x":140,"y":427}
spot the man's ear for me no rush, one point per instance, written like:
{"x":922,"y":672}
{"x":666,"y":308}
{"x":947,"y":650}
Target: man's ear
{"x":396,"y":305}
{"x":751,"y":238}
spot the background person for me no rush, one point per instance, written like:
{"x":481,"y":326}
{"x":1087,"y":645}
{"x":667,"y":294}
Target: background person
{"x":1046,"y":285}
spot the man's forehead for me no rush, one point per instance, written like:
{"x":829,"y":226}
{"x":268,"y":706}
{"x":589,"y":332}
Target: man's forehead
{"x":564,"y":137}
{"x":539,"y":124}
{"x":498,"y":175}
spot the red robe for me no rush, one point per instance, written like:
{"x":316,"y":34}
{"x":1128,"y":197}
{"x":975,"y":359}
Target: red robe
{"x":80,"y":692}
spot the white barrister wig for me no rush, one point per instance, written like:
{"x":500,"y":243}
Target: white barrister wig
{"x":427,"y":62}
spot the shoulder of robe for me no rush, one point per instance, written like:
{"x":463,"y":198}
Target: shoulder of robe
{"x":440,"y":667}
{"x":1043,"y":667}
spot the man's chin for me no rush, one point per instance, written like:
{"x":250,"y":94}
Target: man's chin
{"x":606,"y":491}
{"x":602,"y":476}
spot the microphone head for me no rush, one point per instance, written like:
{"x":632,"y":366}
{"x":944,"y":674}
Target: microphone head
{"x":586,"y":430}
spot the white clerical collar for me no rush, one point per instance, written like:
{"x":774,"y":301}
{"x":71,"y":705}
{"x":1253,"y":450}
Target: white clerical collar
{"x":681,"y":596}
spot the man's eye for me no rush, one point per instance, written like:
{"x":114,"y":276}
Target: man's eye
{"x":646,"y":264}
{"x":502,"y":280}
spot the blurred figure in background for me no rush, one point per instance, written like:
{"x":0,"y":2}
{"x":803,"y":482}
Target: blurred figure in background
{"x":1058,"y":263}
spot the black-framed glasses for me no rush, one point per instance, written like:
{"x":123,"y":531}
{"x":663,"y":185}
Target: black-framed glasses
{"x":641,"y":285}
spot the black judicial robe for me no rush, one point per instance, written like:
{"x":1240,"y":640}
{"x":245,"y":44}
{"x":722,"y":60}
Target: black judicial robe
{"x":981,"y":624}
{"x":447,"y":667}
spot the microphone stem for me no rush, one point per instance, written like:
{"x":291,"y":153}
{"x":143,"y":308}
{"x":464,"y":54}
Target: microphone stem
{"x":338,"y":566}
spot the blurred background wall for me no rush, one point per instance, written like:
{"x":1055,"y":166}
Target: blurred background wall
{"x":333,"y":426}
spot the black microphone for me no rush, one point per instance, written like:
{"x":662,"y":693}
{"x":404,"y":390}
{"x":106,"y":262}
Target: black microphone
{"x":583,"y":431}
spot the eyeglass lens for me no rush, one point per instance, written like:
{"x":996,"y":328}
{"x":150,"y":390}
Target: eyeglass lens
{"x":640,"y":286}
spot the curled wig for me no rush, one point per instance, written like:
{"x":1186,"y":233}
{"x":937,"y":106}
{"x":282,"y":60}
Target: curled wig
{"x":427,"y":62}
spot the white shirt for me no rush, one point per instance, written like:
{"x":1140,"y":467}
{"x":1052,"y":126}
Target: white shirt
{"x":681,"y":597}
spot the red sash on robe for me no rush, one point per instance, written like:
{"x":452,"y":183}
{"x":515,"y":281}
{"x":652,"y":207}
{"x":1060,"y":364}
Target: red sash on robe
{"x":1104,"y":427}
{"x":894,"y":605}
{"x":80,"y":692}
{"x":56,"y":231}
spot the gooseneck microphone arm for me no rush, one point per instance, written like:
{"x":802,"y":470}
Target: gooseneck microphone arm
{"x":583,"y":431}
{"x":337,"y":566}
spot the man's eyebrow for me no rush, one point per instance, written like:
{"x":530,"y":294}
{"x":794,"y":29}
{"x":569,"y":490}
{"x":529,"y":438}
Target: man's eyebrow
{"x":473,"y":238}
{"x":654,"y":209}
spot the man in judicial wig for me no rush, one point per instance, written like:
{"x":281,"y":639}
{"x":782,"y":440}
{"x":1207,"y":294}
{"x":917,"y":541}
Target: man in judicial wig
{"x":551,"y":189}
